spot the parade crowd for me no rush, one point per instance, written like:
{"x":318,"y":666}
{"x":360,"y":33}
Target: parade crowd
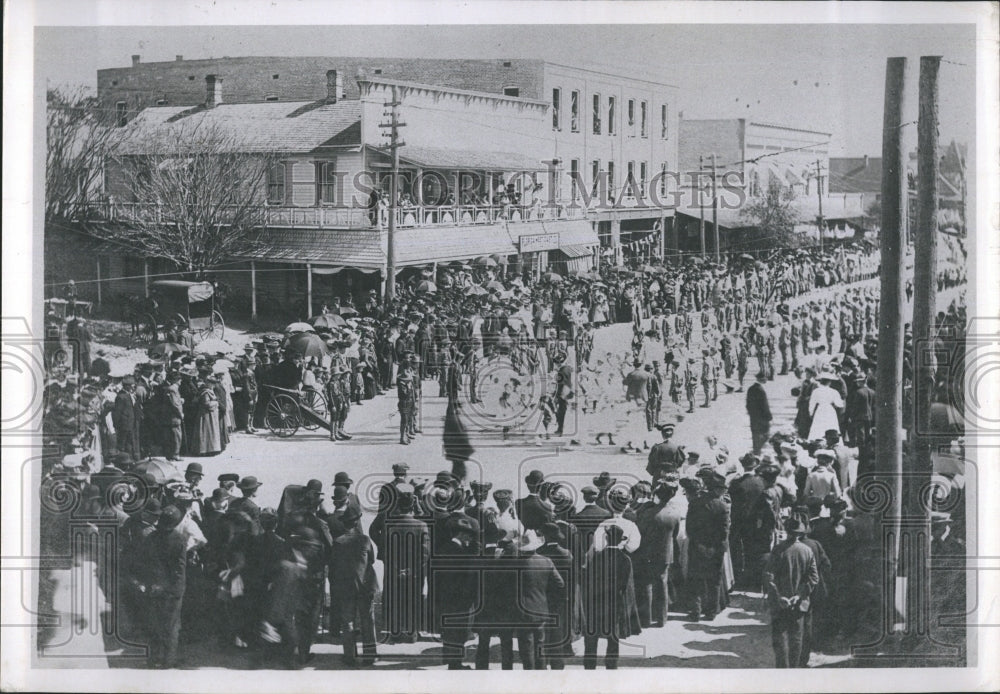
{"x":461,"y":560}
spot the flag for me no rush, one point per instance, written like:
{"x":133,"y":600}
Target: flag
{"x":457,"y":447}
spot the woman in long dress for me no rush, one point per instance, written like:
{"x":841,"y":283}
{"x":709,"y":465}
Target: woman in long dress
{"x":824,"y":402}
{"x":207,"y":431}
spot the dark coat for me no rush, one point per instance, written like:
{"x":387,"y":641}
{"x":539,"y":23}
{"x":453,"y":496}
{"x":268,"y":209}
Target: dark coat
{"x":126,"y":417}
{"x":165,"y":559}
{"x":757,"y":405}
{"x":658,"y":525}
{"x":352,"y":576}
{"x":455,"y":584}
{"x":566,"y":601}
{"x":860,"y":406}
{"x":744,"y":493}
{"x":406,"y":557}
{"x":609,"y":595}
{"x":532,"y":512}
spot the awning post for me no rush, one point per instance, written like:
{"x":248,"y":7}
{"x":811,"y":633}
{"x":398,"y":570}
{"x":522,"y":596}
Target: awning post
{"x":309,"y":290}
{"x":253,"y":290}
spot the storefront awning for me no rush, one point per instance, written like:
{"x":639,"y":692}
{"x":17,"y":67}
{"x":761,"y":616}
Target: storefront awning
{"x":420,"y":246}
{"x":358,"y":249}
{"x":572,"y":232}
{"x":576,"y":251}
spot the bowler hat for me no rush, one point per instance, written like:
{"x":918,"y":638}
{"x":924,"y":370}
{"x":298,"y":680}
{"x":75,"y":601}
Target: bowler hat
{"x":314,"y":486}
{"x":534,"y":478}
{"x":229,"y":477}
{"x":249,"y":482}
{"x":170,"y":518}
{"x":350,"y":515}
{"x":796,"y":524}
{"x":195,"y":468}
{"x":590,"y":493}
{"x":604,"y":480}
{"x":400,"y":468}
{"x":342,"y":478}
{"x":339,"y":493}
{"x":552,"y":532}
{"x":153,"y":507}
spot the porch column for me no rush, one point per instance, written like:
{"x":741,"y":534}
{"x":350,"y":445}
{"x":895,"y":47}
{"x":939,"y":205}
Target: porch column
{"x":98,"y":281}
{"x":145,"y":276}
{"x":663,"y":237}
{"x":309,"y":290}
{"x":616,"y":240}
{"x":253,"y":290}
{"x":434,"y":271}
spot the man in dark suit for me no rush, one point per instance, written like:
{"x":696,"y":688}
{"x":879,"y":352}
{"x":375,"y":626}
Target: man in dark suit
{"x":859,"y":413}
{"x":744,"y":492}
{"x":164,"y":582}
{"x":455,"y":588}
{"x":665,"y":456}
{"x":760,"y":413}
{"x":173,"y":417}
{"x":406,"y":557}
{"x":564,"y":602}
{"x":248,"y":486}
{"x":288,"y":373}
{"x":708,"y":522}
{"x":531,"y":510}
{"x":342,"y":479}
{"x":658,"y":525}
{"x":564,"y":391}
{"x":126,"y":417}
{"x":352,"y":588}
{"x":537,"y":578}
{"x":789,"y":578}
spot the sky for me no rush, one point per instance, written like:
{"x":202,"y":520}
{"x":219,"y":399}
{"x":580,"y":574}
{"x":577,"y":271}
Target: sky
{"x":826,"y":77}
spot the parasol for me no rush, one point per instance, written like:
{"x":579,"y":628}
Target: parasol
{"x":485,"y":262}
{"x":165,"y":349}
{"x":554,"y":277}
{"x":222,"y":366}
{"x":347,"y":311}
{"x":498,"y":259}
{"x":476,"y":290}
{"x":299,"y":327}
{"x":307,"y":344}
{"x":162,"y":471}
{"x":213,"y":345}
{"x":328,"y":320}
{"x":746,"y":256}
{"x":426,"y":286}
{"x":495,"y":285}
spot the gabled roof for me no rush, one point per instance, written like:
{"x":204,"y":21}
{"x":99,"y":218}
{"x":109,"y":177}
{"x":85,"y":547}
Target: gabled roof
{"x":284,"y":127}
{"x":852,"y":175}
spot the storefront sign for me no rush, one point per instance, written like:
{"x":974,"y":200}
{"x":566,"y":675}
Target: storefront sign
{"x":538,"y":242}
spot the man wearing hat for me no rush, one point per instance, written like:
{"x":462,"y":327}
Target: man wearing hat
{"x":859,"y":414}
{"x":405,"y":403}
{"x":565,"y":602}
{"x":353,"y":585}
{"x":708,"y":525}
{"x":248,"y":486}
{"x":454,"y":589}
{"x":790,"y":576}
{"x":659,"y":523}
{"x":337,"y":399}
{"x":822,"y":480}
{"x":403,"y":585}
{"x":564,"y":391}
{"x":745,"y":492}
{"x":163,"y":580}
{"x":665,"y":456}
{"x":531,"y":509}
{"x":760,"y":413}
{"x":618,"y":502}
{"x":126,"y":417}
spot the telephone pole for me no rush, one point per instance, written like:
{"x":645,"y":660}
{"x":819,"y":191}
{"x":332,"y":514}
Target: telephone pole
{"x":819,"y":196}
{"x":715,"y":212}
{"x":701,"y":204}
{"x":394,"y":144}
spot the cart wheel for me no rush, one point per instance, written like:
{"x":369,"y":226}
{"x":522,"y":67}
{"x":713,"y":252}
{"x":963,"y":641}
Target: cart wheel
{"x":148,"y":328}
{"x":315,"y":401}
{"x":216,"y":327}
{"x":282,"y":416}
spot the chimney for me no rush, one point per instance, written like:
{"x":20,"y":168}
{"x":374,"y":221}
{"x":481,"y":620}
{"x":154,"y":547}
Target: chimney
{"x":135,"y":60}
{"x":213,"y":91}
{"x":866,"y":161}
{"x":180,"y":58}
{"x":334,"y":86}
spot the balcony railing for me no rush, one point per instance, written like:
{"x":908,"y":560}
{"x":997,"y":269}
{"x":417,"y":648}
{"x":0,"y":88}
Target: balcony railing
{"x":351,"y":217}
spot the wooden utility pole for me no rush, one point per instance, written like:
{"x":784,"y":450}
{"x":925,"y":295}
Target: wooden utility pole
{"x":701,"y":204}
{"x":819,"y":196}
{"x":889,"y":389}
{"x":394,"y":144}
{"x":715,"y":212}
{"x":924,"y":299}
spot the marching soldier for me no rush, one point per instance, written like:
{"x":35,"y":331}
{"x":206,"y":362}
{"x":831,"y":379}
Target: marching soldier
{"x":783,"y":345}
{"x":707,"y":374}
{"x":690,"y":382}
{"x":794,"y":339}
{"x":654,"y":387}
{"x":405,"y":403}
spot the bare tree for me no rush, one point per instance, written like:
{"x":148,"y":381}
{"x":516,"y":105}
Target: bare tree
{"x":79,"y":137}
{"x":189,"y":192}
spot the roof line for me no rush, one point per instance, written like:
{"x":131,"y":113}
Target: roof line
{"x":453,"y":90}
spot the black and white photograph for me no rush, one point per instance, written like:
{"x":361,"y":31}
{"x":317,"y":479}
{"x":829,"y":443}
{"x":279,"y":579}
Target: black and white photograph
{"x":550,"y":336}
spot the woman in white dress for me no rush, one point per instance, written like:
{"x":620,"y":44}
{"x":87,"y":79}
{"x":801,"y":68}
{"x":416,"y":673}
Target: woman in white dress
{"x":823,"y":406}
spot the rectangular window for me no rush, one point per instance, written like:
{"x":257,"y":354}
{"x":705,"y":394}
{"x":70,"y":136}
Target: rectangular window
{"x":512,"y":91}
{"x":574,"y":111}
{"x":556,"y":106}
{"x":574,"y":178}
{"x":611,"y":177}
{"x":611,"y":115}
{"x":630,"y":113}
{"x":642,"y":175}
{"x":326,"y":180}
{"x":663,"y":178}
{"x":630,"y":168}
{"x":643,"y":113}
{"x":595,"y":173}
{"x":664,"y":130}
{"x":596,"y":117}
{"x":276,"y":184}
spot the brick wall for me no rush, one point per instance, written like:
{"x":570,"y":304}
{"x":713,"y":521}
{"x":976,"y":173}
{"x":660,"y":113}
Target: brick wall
{"x":254,"y":79}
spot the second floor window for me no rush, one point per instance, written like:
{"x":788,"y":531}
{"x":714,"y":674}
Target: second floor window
{"x":597,"y":114}
{"x":574,"y":111}
{"x":326,"y":177}
{"x":574,"y":178}
{"x":643,"y":113}
{"x":556,"y":106}
{"x":630,"y":114}
{"x":611,"y":115}
{"x":664,"y":130}
{"x":595,"y":175}
{"x":276,"y":184}
{"x":642,"y":175}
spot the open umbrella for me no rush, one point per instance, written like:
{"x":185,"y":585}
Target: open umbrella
{"x":554,"y":277}
{"x":476,"y":290}
{"x":499,"y":259}
{"x":485,"y":262}
{"x":299,"y":327}
{"x":328,"y":320}
{"x":163,"y":471}
{"x":347,"y":311}
{"x":307,"y":344}
{"x":165,"y":349}
{"x":213,"y":345}
{"x":495,"y":285}
{"x":746,"y":256}
{"x":426,"y":286}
